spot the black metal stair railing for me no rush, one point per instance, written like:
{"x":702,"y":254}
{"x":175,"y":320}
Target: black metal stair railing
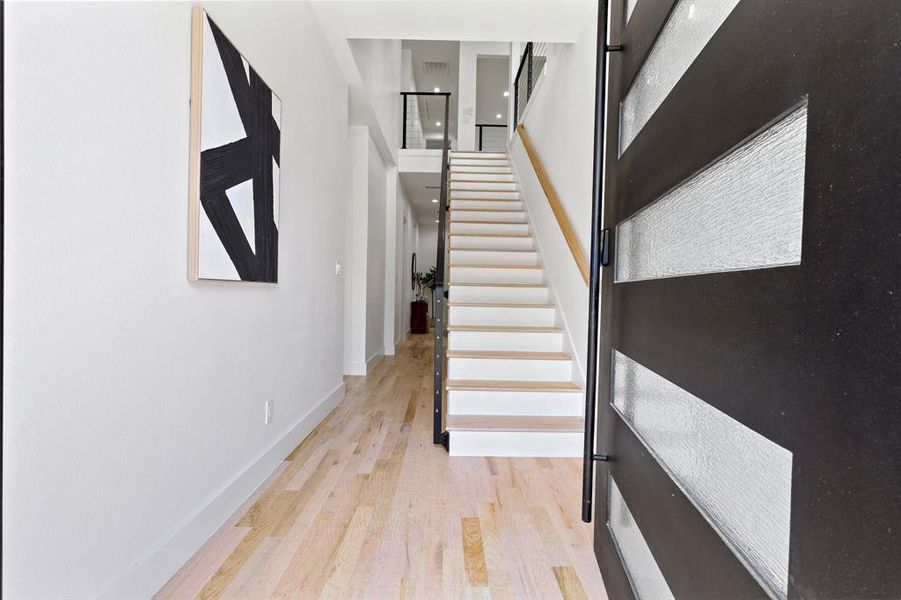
{"x":533,"y":59}
{"x":425,"y":125}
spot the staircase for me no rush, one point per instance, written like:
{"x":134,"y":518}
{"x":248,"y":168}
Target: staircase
{"x":509,"y":384}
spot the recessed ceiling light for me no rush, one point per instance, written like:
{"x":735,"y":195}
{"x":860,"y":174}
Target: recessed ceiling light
{"x":437,"y":123}
{"x":436,"y":220}
{"x":435,"y":200}
{"x":506,"y":94}
{"x":498,"y":116}
{"x":437,"y":89}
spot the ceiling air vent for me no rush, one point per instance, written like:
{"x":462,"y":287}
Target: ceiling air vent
{"x":435,"y":67}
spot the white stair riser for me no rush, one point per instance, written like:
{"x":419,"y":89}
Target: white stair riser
{"x":512,"y":369}
{"x":508,"y":295}
{"x":487,"y":186}
{"x":538,"y":316}
{"x":483,"y":275}
{"x":465,"y":154}
{"x":455,"y":176}
{"x":477,"y":162}
{"x":515,"y":443}
{"x":489,"y":228}
{"x":493,"y":257}
{"x":510,"y":341}
{"x":499,"y":243}
{"x":466,"y":170}
{"x":458,"y":195}
{"x":496,"y":204}
{"x":473,"y":215}
{"x":492,"y":402}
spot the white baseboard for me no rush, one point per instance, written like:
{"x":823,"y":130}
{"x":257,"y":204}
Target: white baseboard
{"x":155,"y":567}
{"x":360,"y":368}
{"x":373,"y":360}
{"x":389,"y":350}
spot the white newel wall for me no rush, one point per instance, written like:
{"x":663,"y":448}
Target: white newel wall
{"x":560,"y":123}
{"x":134,"y":400}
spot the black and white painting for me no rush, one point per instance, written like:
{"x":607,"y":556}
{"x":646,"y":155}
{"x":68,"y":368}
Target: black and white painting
{"x":238,"y":193}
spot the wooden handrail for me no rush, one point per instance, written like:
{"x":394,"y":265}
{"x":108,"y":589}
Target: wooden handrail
{"x":556,"y":207}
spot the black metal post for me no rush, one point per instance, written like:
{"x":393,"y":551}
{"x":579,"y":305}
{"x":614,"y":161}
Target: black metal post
{"x":481,"y":130}
{"x":439,"y":436}
{"x":404,"y":143}
{"x":594,"y":285}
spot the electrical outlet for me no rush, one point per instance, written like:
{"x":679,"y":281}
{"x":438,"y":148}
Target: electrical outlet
{"x":268,"y":416}
{"x":339,"y":268}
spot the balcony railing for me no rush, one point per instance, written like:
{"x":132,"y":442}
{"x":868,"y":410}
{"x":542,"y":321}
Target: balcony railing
{"x":425,"y":116}
{"x":492,"y":137}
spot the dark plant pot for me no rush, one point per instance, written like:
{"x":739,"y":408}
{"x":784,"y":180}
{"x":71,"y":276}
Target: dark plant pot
{"x":419,"y":317}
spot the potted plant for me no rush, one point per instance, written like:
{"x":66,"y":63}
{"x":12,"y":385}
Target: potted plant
{"x":419,"y":307}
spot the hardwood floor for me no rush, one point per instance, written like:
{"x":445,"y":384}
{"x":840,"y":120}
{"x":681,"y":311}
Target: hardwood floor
{"x":367,"y":507}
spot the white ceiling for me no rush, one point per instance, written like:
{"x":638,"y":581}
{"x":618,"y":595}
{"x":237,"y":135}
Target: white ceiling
{"x":421,"y":189}
{"x":465,"y":20}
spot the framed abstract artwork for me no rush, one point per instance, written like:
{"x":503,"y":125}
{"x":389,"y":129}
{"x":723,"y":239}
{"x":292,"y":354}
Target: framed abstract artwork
{"x":234,"y":163}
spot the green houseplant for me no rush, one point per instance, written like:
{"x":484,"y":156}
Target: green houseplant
{"x":419,"y":308}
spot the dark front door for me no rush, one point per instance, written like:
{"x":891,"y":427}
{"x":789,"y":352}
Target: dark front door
{"x":750,"y":354}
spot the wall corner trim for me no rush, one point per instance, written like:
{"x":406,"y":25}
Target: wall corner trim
{"x":149,"y":572}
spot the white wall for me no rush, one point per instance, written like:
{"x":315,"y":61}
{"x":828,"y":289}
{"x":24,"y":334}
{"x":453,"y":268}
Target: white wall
{"x":491,"y":81}
{"x":560,"y":124}
{"x":375,"y":256}
{"x":466,"y":100}
{"x":427,"y":249}
{"x":133,"y":399}
{"x":378,"y":62}
{"x":400,"y":293}
{"x":356,"y":248}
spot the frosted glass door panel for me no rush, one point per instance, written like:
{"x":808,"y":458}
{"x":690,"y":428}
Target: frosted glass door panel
{"x":738,"y":479}
{"x":647,"y":581}
{"x":744,"y":211}
{"x":687,"y":30}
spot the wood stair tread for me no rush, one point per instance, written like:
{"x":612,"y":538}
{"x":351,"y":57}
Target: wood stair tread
{"x":504,"y":329}
{"x":533,"y":250}
{"x":485,"y":200}
{"x":514,"y":423}
{"x":504,"y":210}
{"x":511,"y":235}
{"x":468,"y":266}
{"x":453,"y":180}
{"x":461,"y":157}
{"x":480,"y":200}
{"x":493,"y":385}
{"x":490,"y":222}
{"x":501,"y":305}
{"x":501,"y":285}
{"x":460,"y":170}
{"x":508,"y":355}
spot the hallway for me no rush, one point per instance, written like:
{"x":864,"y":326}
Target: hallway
{"x":367,"y":507}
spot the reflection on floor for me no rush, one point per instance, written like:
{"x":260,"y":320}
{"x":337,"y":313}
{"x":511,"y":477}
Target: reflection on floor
{"x":367,"y":507}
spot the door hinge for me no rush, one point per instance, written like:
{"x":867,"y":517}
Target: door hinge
{"x":606,"y":234}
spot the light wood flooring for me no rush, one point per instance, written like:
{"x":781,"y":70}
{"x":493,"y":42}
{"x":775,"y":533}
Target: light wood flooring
{"x":367,"y":507}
